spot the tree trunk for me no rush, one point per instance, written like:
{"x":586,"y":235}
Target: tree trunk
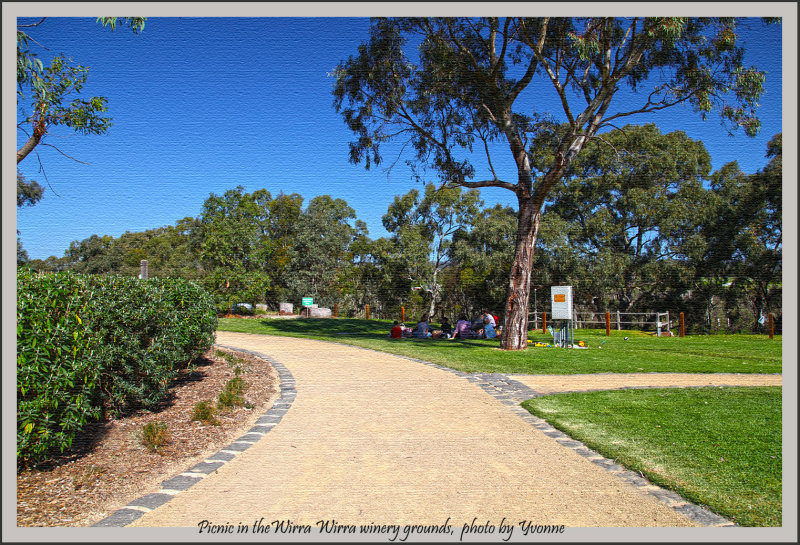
{"x":515,"y":326}
{"x":39,"y":129}
{"x":434,"y":294}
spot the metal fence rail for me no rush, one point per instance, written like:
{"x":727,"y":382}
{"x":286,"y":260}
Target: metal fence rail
{"x":661,"y":319}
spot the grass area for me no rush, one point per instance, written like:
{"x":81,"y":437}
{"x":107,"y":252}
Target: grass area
{"x":719,"y":447}
{"x":641,"y":353}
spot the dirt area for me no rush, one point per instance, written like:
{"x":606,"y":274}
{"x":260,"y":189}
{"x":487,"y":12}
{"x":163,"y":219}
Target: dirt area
{"x":108,"y":466}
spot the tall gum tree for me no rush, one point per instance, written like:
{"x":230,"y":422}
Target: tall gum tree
{"x":463,"y":92}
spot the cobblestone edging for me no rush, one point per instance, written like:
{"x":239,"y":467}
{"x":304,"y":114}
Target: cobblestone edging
{"x":506,"y":390}
{"x":512,"y":393}
{"x":193,"y":475}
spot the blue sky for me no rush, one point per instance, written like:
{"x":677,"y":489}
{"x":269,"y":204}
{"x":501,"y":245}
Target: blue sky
{"x":201,"y":105}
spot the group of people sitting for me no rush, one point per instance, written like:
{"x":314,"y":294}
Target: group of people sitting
{"x":483,"y":327}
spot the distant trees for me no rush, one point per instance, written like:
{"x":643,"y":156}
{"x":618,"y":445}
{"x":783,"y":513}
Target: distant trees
{"x":740,"y":259}
{"x":423,"y":227}
{"x":638,"y":224}
{"x":628,"y":205}
{"x":319,"y":258}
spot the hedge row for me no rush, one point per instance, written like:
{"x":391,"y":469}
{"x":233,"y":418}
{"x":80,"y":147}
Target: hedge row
{"x":92,"y":345}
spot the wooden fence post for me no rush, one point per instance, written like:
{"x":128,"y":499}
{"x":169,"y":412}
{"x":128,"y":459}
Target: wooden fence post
{"x":336,"y":310}
{"x":608,"y":324}
{"x":683,"y":325}
{"x":619,"y":323}
{"x":367,"y":312}
{"x":544,"y":322}
{"x":771,"y":325}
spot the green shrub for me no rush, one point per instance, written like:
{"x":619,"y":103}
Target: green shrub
{"x":204,"y":411}
{"x":154,"y":435}
{"x":232,"y":394}
{"x":148,"y":331}
{"x":56,"y":377}
{"x":91,"y":344}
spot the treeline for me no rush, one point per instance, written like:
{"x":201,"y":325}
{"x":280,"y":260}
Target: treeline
{"x":640,"y":223}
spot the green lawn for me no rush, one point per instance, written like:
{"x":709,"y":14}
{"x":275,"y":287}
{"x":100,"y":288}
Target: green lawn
{"x":641,"y":353}
{"x":719,"y":447}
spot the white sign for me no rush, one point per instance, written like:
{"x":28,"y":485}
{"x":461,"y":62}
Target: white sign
{"x":561,"y":302}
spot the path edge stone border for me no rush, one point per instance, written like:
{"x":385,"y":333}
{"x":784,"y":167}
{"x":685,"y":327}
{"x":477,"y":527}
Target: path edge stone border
{"x":508,"y":391}
{"x":185,"y":480}
{"x":512,"y":393}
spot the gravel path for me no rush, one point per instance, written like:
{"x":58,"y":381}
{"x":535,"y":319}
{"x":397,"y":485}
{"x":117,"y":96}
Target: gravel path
{"x":362,"y":437}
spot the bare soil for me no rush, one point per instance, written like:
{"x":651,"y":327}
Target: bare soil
{"x":108,"y":466}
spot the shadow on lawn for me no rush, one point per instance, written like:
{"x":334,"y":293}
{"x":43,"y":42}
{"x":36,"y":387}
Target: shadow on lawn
{"x":342,"y":328}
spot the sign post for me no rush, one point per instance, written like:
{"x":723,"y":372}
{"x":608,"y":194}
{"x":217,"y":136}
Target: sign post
{"x":561,"y":309}
{"x":307,"y":302}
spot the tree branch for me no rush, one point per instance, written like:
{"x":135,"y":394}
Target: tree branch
{"x":65,"y":155}
{"x":32,"y":24}
{"x":487,"y":183}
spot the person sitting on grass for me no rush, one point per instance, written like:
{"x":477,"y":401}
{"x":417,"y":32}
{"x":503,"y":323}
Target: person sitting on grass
{"x":423,"y":330}
{"x":488,"y":329}
{"x":447,"y":329}
{"x":397,"y":331}
{"x":477,"y":327}
{"x":462,"y":329}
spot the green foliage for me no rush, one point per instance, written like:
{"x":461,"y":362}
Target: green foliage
{"x":29,"y":192}
{"x":154,"y":435}
{"x":234,"y":245}
{"x":483,"y":255}
{"x":319,"y":256}
{"x":50,"y":88}
{"x":627,"y":210}
{"x":232,"y":395}
{"x":423,"y":228}
{"x":136,"y":24}
{"x":57,"y":379}
{"x":91,"y":344}
{"x":205,"y":412}
{"x":148,"y":330}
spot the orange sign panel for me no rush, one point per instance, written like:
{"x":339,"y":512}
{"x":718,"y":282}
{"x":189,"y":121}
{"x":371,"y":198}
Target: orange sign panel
{"x":559,"y":298}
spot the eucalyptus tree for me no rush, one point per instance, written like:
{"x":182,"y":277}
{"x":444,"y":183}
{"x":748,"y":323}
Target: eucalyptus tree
{"x":423,"y":226}
{"x":320,"y":252}
{"x":461,"y":100}
{"x":233,"y":249}
{"x":743,"y":238}
{"x":53,"y":90}
{"x":630,"y":203}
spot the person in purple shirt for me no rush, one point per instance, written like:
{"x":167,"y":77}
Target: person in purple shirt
{"x":462,"y":330}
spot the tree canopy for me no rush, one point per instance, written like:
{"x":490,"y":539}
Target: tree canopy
{"x":461,"y":97}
